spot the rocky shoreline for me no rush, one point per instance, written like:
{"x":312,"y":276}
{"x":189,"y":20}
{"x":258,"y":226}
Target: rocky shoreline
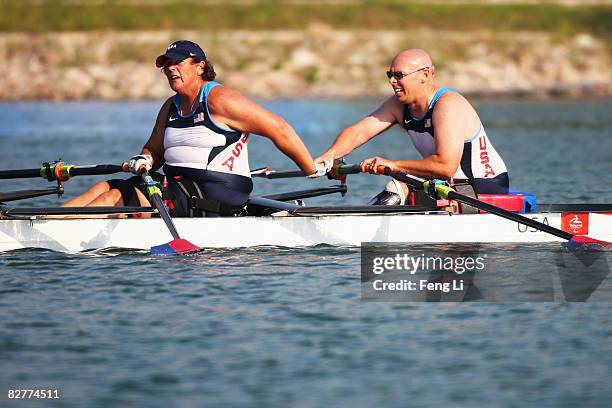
{"x":319,"y":62}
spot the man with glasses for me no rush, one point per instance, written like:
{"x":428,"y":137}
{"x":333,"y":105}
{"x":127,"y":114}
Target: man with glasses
{"x":442,"y":124}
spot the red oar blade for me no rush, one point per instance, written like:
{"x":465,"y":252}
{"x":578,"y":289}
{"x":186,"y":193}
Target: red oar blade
{"x":582,"y":241}
{"x":175,"y":247}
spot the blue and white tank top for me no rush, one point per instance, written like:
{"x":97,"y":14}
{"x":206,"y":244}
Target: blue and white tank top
{"x":480,"y":160}
{"x":196,"y":142}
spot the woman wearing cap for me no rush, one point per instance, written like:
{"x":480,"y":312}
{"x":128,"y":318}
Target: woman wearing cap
{"x":200,"y":137}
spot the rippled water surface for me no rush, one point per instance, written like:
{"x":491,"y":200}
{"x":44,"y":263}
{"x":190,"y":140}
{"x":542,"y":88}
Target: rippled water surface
{"x":287,"y":327}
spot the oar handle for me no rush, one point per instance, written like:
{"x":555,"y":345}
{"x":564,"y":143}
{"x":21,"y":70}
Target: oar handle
{"x":96,"y":170}
{"x":349,"y":169}
{"x":380,"y":169}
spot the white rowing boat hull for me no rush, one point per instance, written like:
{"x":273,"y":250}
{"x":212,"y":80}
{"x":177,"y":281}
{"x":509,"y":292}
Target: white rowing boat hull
{"x":75,"y":235}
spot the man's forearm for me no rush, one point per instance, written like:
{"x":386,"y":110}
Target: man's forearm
{"x":347,"y":141}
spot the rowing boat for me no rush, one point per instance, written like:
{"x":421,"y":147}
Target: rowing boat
{"x":291,"y":226}
{"x":273,"y":221}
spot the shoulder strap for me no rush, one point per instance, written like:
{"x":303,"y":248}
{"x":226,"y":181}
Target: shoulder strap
{"x":438,"y":94}
{"x":177,"y":102}
{"x":207,"y":88}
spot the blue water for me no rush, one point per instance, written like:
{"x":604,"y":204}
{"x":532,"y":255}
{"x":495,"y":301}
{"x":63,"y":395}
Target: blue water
{"x":286,"y":327}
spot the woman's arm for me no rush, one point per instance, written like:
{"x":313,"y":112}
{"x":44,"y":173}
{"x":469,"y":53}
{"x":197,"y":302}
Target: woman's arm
{"x":239,"y":113}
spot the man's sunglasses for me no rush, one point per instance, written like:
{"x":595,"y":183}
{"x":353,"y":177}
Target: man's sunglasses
{"x":399,"y":74}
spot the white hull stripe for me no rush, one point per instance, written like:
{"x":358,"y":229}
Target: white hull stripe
{"x":74,"y":235}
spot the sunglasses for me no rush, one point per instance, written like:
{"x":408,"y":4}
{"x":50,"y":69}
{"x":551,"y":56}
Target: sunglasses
{"x":399,"y":74}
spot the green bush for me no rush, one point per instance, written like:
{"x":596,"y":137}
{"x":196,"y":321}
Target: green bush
{"x":57,"y":15}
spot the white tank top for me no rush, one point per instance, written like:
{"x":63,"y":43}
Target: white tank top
{"x":195,"y":141}
{"x":480,"y":160}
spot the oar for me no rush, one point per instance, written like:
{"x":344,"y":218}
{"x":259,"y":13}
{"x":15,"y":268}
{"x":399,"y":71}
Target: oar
{"x":446,"y":192}
{"x":313,"y":192}
{"x":61,"y":171}
{"x":178,"y":245}
{"x":23,"y":194}
{"x":269,"y":173}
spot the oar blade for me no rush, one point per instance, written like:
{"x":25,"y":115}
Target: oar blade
{"x":177,"y":246}
{"x":582,"y":241}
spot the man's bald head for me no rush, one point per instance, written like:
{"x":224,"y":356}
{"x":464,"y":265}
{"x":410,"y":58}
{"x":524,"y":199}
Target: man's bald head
{"x":411,"y":75}
{"x":412,"y":60}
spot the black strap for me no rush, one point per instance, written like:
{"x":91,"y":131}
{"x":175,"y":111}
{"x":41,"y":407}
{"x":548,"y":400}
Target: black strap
{"x":468,"y":190}
{"x":205,"y":204}
{"x":422,"y":198}
{"x":200,"y":206}
{"x":185,"y":186}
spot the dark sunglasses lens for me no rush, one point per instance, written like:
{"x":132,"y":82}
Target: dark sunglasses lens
{"x":396,"y":74}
